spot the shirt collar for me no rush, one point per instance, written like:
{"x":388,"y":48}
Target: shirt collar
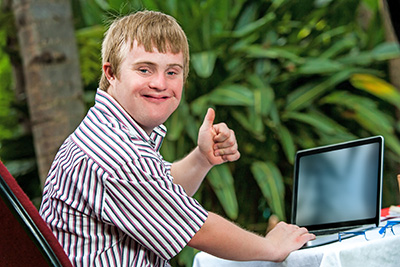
{"x":107,"y":104}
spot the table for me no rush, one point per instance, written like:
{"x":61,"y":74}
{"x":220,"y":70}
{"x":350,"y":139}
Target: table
{"x":354,"y":251}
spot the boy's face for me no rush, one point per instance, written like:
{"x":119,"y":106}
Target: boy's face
{"x":149,"y":86}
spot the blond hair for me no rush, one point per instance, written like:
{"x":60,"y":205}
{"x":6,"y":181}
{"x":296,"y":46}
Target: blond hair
{"x":149,"y":28}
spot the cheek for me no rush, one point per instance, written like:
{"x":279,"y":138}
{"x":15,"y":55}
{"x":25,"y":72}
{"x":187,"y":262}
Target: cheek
{"x":179,"y":95}
{"x":179,"y":90}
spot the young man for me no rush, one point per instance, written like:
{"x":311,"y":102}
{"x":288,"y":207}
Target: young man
{"x":110,"y":198}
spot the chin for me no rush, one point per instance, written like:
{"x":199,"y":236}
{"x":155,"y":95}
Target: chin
{"x":156,"y":118}
{"x":149,"y":125}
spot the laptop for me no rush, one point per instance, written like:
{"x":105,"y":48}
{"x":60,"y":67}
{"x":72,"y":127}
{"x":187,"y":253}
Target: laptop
{"x":338,"y":188}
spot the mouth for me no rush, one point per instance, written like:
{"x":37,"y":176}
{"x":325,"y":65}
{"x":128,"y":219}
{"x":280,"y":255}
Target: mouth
{"x":156,"y":97}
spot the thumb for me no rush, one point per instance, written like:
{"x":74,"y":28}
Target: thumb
{"x":208,"y":119}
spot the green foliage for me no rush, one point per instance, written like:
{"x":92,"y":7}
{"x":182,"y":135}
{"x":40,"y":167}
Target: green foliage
{"x":221,"y":181}
{"x":270,"y":181}
{"x":89,"y":42}
{"x":7,"y":118}
{"x":281,"y":73}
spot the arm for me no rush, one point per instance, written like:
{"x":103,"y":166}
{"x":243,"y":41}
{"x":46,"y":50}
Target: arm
{"x":224,"y":239}
{"x":216,"y":144}
{"x":190,"y":171}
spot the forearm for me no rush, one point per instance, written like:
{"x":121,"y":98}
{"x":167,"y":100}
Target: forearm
{"x":216,"y":144}
{"x":190,"y":171}
{"x":224,"y":239}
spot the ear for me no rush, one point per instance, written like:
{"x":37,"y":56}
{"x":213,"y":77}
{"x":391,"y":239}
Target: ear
{"x":108,"y":72}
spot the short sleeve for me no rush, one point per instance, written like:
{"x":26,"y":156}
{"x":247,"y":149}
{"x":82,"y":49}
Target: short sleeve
{"x":143,"y":202}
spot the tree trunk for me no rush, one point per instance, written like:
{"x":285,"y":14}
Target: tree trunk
{"x":52,"y":75}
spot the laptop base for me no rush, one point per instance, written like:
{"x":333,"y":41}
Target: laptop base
{"x":322,"y":240}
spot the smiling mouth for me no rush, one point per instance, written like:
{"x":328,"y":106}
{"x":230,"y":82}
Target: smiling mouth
{"x":156,"y":97}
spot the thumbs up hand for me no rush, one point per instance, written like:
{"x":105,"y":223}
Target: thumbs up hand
{"x":216,"y":141}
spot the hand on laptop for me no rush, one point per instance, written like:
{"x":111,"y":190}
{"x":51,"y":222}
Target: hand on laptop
{"x":285,"y":238}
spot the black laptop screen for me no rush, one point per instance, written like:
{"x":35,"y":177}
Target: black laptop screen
{"x":338,"y":185}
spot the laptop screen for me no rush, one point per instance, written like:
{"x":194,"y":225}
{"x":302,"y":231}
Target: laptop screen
{"x":338,"y":185}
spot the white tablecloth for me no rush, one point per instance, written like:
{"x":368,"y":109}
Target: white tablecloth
{"x":355,"y":251}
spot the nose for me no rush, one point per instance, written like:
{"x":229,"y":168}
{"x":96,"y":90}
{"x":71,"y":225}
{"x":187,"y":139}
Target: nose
{"x":158,"y":82}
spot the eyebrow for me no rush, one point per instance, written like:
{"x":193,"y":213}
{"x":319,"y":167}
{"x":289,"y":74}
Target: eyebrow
{"x":153,"y":64}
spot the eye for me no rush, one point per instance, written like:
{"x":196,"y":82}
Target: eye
{"x":143,"y":70}
{"x":172,"y":73}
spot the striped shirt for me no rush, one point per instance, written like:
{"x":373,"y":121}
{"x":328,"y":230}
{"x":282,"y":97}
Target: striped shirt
{"x":109,"y":196}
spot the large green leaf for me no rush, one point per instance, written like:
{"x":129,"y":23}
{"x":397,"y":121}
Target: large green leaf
{"x":200,"y":105}
{"x":92,"y":11}
{"x":252,"y":122}
{"x":339,"y":47}
{"x":270,"y":181}
{"x":287,"y":142}
{"x":386,"y":51}
{"x":365,"y":110}
{"x":307,"y":94}
{"x":203,"y":63}
{"x":377,"y":87}
{"x":318,"y":120}
{"x":259,"y":51}
{"x":232,"y":94}
{"x":253,"y":26}
{"x":221,"y":180}
{"x":263,"y":95}
{"x":382,"y":52}
{"x":319,"y":66}
{"x":368,"y":115}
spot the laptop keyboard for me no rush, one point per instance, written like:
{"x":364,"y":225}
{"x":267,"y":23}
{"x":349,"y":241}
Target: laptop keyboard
{"x":330,"y":231}
{"x":338,"y":230}
{"x":325,"y":232}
